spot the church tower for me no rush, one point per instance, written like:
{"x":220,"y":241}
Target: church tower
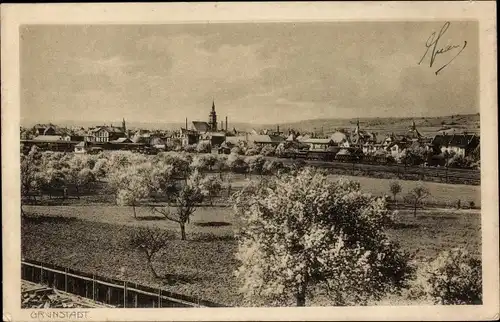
{"x":212,"y":118}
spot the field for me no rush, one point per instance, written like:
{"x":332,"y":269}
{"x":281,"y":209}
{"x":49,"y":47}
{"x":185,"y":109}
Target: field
{"x":97,"y":241}
{"x":442,"y":195}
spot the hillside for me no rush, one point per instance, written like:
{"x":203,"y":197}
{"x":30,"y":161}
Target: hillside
{"x":426,"y":125}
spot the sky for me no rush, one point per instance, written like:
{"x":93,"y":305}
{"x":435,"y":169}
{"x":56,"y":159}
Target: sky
{"x":263,"y":73}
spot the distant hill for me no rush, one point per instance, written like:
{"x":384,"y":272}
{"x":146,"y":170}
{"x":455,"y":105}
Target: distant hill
{"x":426,"y":125}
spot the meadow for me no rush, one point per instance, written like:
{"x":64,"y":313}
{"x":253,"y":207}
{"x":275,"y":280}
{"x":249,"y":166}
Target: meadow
{"x":202,"y":266}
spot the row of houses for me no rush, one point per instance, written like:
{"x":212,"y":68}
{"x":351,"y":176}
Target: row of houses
{"x":194,"y":132}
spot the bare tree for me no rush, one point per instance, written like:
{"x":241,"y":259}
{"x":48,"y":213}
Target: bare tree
{"x":416,"y":196}
{"x":395,"y":188}
{"x":187,"y":200}
{"x":150,"y":241}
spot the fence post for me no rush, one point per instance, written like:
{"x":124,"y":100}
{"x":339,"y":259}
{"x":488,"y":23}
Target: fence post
{"x":41,"y":273}
{"x":32,"y":273}
{"x":93,"y":287}
{"x":446,"y":174}
{"x":159,"y":297}
{"x":125,"y":294}
{"x":135,"y":296}
{"x":66,"y":280}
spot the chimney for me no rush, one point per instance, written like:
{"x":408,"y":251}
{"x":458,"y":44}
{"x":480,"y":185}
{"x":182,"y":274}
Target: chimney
{"x":278,"y":130}
{"x":186,"y":123}
{"x":226,"y":123}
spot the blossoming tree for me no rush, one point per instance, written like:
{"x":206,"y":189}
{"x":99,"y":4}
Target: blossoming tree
{"x":302,"y":234}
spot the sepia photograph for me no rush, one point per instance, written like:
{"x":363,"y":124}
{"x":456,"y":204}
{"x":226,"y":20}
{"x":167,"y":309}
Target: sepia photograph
{"x":252,"y":164}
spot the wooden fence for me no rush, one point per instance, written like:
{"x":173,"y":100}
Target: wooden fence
{"x":118,"y":293}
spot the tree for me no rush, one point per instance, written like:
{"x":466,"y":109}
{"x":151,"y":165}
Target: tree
{"x":189,"y":196}
{"x":204,"y":162}
{"x":395,"y":188}
{"x":453,"y":278}
{"x":416,"y":196}
{"x":255,"y":164}
{"x":211,"y":185}
{"x":180,"y":163}
{"x":30,"y":179}
{"x":204,"y":147}
{"x":302,"y":233}
{"x":236,"y":164}
{"x":132,"y":185}
{"x":150,"y":241}
{"x":267,"y":150}
{"x":272,"y":166}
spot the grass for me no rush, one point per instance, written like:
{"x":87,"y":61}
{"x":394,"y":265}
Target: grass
{"x":97,"y":242}
{"x":199,"y":268}
{"x":442,"y":194}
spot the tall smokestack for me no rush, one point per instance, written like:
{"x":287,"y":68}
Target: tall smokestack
{"x":221,"y":125}
{"x":226,"y":123}
{"x":186,"y":123}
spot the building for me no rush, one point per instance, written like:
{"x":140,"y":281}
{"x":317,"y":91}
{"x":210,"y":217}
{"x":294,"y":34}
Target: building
{"x":212,"y":119}
{"x":359,"y":137}
{"x":82,"y":147}
{"x":460,"y":144}
{"x":106,"y":134}
{"x":414,"y":134}
{"x":45,"y":129}
{"x":261,"y":140}
{"x":319,"y":144}
{"x":206,"y":131}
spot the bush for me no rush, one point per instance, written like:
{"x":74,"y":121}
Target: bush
{"x":204,"y":147}
{"x":268,"y":150}
{"x":237,"y":150}
{"x":252,"y":151}
{"x":454,"y":277}
{"x":190,"y":148}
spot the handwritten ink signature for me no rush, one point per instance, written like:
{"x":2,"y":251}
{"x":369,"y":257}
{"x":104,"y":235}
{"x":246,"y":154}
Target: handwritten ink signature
{"x":432,"y":42}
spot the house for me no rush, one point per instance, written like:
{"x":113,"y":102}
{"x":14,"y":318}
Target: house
{"x":158,"y":142}
{"x":107,"y":134}
{"x":141,"y":136}
{"x":319,"y":144}
{"x":460,"y":144}
{"x":395,"y":149}
{"x":122,"y":140}
{"x":189,"y":137}
{"x":359,"y":137}
{"x":338,"y":137}
{"x":215,"y":138}
{"x":414,"y":134}
{"x":302,"y":138}
{"x":82,"y":147}
{"x":45,"y":129}
{"x":261,"y":140}
{"x":48,"y":138}
{"x":200,"y":127}
{"x":235,"y":140}
{"x":370,"y":148}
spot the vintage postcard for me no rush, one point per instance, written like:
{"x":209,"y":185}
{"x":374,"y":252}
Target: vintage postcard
{"x":250,"y":161}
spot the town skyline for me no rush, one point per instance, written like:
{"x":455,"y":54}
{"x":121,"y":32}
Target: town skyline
{"x":265,"y":73}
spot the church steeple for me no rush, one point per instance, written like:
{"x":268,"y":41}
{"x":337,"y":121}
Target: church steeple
{"x":212,"y":118}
